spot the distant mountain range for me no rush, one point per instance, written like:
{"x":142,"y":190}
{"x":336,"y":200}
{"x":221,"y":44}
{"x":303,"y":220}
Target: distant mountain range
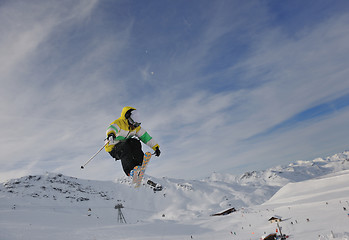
{"x":177,"y":198}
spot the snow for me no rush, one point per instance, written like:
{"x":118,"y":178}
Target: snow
{"x":311,"y":197}
{"x":324,"y":189}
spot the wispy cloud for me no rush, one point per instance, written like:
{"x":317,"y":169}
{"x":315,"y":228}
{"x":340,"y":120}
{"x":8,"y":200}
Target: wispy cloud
{"x":284,"y":78}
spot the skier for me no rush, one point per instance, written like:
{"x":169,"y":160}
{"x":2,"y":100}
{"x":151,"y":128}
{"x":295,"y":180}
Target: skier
{"x":122,"y":142}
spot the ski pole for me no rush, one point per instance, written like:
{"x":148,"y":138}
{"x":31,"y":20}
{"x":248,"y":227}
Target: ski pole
{"x":83,"y":166}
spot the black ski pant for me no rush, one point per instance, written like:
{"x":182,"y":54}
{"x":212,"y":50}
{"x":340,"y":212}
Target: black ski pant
{"x":130,"y":153}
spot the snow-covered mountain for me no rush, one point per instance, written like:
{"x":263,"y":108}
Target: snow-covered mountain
{"x":294,"y":172}
{"x":40,"y":203}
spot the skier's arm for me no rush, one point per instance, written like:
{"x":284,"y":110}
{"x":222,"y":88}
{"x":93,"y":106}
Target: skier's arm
{"x":114,"y":131}
{"x":147,"y":139}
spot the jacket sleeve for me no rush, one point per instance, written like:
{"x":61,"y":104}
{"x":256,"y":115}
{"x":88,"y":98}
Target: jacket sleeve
{"x":115,"y":129}
{"x":144,"y":136}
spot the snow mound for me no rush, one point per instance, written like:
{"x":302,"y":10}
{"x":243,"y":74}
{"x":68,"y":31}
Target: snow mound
{"x":333,"y":186}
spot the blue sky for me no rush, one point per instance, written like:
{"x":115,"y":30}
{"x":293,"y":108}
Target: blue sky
{"x":223,"y":86}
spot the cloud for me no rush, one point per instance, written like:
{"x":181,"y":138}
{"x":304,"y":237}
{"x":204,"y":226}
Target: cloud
{"x":30,"y":127}
{"x":299,"y":73}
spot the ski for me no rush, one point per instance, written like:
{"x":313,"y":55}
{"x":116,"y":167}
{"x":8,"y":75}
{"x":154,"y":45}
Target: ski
{"x":155,"y":186}
{"x":139,"y":172}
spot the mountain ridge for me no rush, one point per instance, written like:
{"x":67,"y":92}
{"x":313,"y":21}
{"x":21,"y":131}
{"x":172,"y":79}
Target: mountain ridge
{"x":188,"y":197}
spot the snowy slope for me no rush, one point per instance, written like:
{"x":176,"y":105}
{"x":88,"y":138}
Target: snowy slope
{"x":259,"y":186}
{"x":333,"y":186}
{"x":318,"y":205}
{"x":54,"y":206}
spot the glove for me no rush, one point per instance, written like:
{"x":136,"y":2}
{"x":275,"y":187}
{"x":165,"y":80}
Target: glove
{"x":110,"y":138}
{"x":157,"y":151}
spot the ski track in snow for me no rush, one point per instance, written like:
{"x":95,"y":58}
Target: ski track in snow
{"x":312,"y":197}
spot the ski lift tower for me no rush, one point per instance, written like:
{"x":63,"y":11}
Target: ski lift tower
{"x":121,"y":218}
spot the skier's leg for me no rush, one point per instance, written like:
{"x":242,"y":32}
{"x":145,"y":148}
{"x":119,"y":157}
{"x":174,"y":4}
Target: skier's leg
{"x":136,"y":150}
{"x":130,"y":152}
{"x":133,"y":156}
{"x":127,"y":163}
{"x":113,"y":153}
{"x":126,"y":166}
{"x":122,"y":151}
